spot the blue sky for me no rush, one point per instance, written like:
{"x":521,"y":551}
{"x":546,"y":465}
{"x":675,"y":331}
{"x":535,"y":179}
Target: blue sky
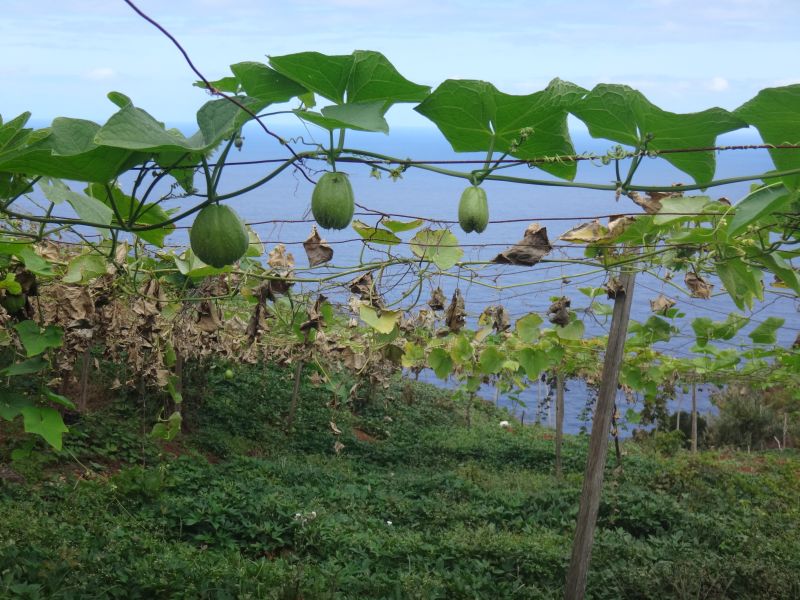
{"x":61,"y":58}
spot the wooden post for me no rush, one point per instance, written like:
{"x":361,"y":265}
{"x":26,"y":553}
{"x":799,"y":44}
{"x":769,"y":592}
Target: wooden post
{"x":694,"y":417}
{"x":84,"y":394}
{"x":785,"y":428}
{"x":617,"y":449}
{"x":559,"y":419}
{"x":298,"y":371}
{"x":598,"y":443}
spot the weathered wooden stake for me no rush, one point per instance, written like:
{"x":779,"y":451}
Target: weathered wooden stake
{"x":598,"y":443}
{"x":298,"y":371}
{"x":85,"y":365}
{"x":559,"y":420}
{"x":694,"y":417}
{"x":785,"y":429}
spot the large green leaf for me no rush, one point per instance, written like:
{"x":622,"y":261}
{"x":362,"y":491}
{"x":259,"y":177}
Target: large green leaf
{"x":533,"y":360}
{"x":441,"y":363}
{"x":46,"y":422}
{"x":705,"y":329}
{"x":775,"y":112}
{"x":322,"y":74}
{"x":475,"y":116}
{"x":528,"y":327}
{"x":11,"y":404}
{"x":219,"y":119}
{"x":259,"y":81}
{"x":674,"y":209}
{"x":376,"y":235}
{"x":67,"y":150}
{"x":25,"y":367}
{"x":362,"y":77}
{"x":655,"y":329}
{"x":36,"y":339}
{"x":132,"y":128}
{"x":742,"y":282}
{"x":778,"y":266}
{"x":624,"y":115}
{"x":757,"y":204}
{"x":766,"y":330}
{"x":366,"y":116}
{"x":571,"y":331}
{"x":384,"y":322}
{"x":374,"y":78}
{"x":490,"y":360}
{"x":87,"y":208}
{"x":438,"y":246}
{"x":84,"y":268}
{"x":122,"y":204}
{"x":399,"y":226}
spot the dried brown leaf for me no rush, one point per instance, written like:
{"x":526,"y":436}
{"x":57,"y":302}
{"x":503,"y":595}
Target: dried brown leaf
{"x":455,"y":316}
{"x":495,"y":316}
{"x":280,"y":260}
{"x":698,"y":285}
{"x":661,"y":304}
{"x":613,"y":287}
{"x":437,"y":299}
{"x":590,"y":232}
{"x":364,"y":287}
{"x":529,"y":250}
{"x":317,"y":250}
{"x":558,"y":313}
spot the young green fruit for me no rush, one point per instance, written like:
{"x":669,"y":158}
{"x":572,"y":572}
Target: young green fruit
{"x":228,"y":374}
{"x":473,"y":210}
{"x":332,"y":202}
{"x":218,"y":236}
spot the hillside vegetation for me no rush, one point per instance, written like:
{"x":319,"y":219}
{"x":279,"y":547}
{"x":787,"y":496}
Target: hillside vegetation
{"x":414,"y":504}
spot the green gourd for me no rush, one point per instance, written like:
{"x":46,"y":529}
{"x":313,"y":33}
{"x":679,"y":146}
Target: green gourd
{"x":332,"y":202}
{"x":218,"y":236}
{"x":473,"y":210}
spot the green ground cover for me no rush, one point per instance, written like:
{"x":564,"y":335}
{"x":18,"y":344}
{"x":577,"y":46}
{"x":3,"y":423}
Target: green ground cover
{"x":416,"y":505}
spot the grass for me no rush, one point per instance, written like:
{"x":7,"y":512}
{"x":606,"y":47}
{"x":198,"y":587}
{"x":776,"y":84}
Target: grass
{"x":415,"y":506}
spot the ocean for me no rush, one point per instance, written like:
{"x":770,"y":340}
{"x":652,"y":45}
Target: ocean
{"x":280,"y":213}
{"x":526,"y":289}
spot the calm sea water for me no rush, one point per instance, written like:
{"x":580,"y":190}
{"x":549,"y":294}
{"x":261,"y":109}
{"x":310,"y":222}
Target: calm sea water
{"x":431,"y":196}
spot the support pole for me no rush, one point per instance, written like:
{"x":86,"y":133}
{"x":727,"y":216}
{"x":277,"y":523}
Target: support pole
{"x":598,"y":443}
{"x":559,"y":419}
{"x":694,"y":417}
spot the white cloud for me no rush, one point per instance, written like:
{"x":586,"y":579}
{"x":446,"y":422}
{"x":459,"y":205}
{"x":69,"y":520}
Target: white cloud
{"x":99,"y":73}
{"x":717,"y":84}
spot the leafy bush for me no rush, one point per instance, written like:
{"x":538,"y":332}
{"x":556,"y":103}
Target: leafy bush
{"x":744,"y":421}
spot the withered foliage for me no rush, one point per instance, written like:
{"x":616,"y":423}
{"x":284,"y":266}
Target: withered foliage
{"x":698,"y":285}
{"x":495,"y":316}
{"x":661,"y":304}
{"x":317,"y":251}
{"x":529,"y":250}
{"x":437,"y":299}
{"x":364,"y":287}
{"x":455,"y":315}
{"x":558,"y":312}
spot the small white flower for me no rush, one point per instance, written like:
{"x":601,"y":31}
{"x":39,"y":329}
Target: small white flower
{"x":389,"y":523}
{"x":504,"y":424}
